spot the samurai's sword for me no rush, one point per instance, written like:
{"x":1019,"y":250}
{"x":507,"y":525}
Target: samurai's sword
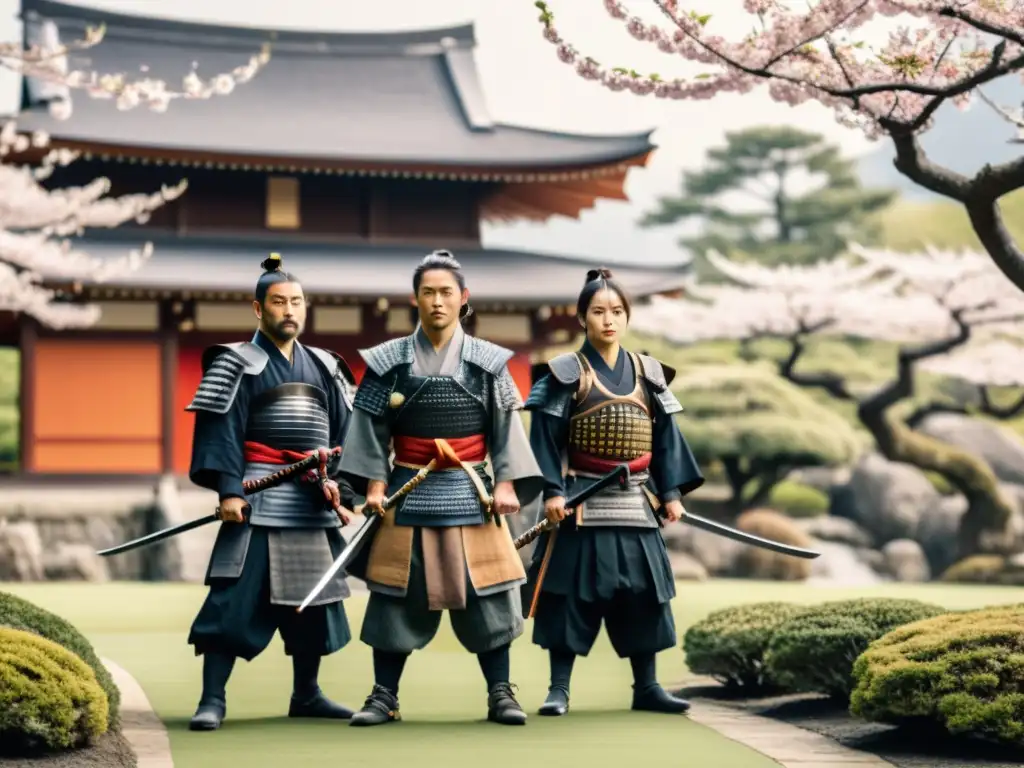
{"x":249,"y":487}
{"x":618,"y":475}
{"x":746,"y":538}
{"x":353,"y":548}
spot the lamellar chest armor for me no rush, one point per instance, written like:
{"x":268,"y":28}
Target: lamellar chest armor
{"x":606,"y":429}
{"x":430,"y":407}
{"x":291,"y":417}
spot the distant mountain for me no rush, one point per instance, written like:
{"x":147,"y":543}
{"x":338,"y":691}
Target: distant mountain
{"x":961,"y":141}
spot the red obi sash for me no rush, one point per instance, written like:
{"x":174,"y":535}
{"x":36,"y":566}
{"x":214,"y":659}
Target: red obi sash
{"x":420,"y":451}
{"x":585,"y":462}
{"x":257,"y":453}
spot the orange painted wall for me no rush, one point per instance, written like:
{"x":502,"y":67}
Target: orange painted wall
{"x":519,"y":367}
{"x":186,"y":382}
{"x":96,"y":407}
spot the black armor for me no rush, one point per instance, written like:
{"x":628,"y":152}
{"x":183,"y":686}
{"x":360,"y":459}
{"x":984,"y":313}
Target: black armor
{"x":289,"y":417}
{"x":438,"y":407}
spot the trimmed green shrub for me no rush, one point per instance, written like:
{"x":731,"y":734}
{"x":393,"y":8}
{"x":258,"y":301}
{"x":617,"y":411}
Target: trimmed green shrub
{"x":729,"y":644}
{"x":963,"y":671}
{"x":798,"y":500}
{"x":815,"y":650}
{"x":49,"y":698}
{"x":18,"y":613}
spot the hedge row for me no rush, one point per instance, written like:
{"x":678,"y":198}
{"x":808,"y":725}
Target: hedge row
{"x":895,"y":661}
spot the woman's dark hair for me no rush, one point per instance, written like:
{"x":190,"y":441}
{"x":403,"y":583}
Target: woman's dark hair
{"x":442,"y":260}
{"x":598,"y":280}
{"x":273,"y":274}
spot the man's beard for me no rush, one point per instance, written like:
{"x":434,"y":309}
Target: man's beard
{"x":282,"y":332}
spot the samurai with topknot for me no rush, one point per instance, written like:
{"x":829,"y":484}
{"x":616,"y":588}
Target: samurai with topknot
{"x":263,"y":404}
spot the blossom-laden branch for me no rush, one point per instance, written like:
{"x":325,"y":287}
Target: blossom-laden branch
{"x":930,"y":302}
{"x":811,"y":55}
{"x":32,"y":218}
{"x":47,"y":61}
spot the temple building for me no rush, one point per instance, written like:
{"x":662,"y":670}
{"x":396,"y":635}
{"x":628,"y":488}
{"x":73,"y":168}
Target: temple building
{"x":352,"y":155}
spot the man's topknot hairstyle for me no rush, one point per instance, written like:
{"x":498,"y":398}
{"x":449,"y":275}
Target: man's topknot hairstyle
{"x":442,"y":260}
{"x":273,"y":274}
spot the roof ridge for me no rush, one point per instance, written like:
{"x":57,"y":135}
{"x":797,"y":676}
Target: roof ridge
{"x":425,"y":41}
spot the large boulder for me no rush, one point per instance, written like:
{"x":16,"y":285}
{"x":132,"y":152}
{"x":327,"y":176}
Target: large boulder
{"x":938,"y":532}
{"x":1002,"y":449}
{"x":889,"y":498}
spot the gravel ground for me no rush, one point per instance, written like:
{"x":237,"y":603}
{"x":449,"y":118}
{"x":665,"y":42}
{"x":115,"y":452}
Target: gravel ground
{"x":902,"y":749}
{"x":111,"y":750}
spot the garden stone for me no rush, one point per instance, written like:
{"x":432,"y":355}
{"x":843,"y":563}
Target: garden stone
{"x":21,"y":552}
{"x":890,"y":497}
{"x":905,"y":561}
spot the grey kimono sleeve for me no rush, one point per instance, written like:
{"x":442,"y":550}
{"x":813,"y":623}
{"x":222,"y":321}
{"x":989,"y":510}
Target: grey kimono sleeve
{"x":511,"y":455}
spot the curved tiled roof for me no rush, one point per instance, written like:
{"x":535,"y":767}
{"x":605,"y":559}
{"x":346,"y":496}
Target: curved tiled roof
{"x":411,"y":98}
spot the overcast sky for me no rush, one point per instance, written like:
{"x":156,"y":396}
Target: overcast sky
{"x":526,"y":84}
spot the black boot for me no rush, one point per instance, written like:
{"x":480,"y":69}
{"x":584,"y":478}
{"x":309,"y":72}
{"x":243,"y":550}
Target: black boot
{"x":557,"y":701}
{"x":502,"y":706}
{"x":213,"y":703}
{"x":381,"y":706}
{"x":307,"y":698}
{"x":648,"y":695}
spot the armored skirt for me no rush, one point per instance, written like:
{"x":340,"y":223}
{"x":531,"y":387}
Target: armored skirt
{"x":239,"y":619}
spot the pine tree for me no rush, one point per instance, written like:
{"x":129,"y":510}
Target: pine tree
{"x":763,"y":165}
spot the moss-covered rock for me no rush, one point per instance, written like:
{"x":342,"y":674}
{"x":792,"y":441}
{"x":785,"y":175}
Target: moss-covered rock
{"x":49,"y":697}
{"x":757,"y":563}
{"x":798,"y":500}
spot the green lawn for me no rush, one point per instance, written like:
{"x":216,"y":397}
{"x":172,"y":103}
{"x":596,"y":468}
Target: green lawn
{"x":144,"y":628}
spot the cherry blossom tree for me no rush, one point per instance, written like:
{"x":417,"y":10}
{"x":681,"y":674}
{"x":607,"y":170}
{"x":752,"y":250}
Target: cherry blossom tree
{"x":809,"y":52}
{"x":931,"y":303}
{"x":36,"y":222}
{"x":997,"y":362}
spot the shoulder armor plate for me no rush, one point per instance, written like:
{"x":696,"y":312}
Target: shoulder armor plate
{"x":338,"y":369}
{"x":486,"y":355}
{"x":550,"y":396}
{"x":374,"y":393}
{"x":506,"y":393}
{"x":223,"y":368}
{"x":656,"y":372}
{"x":384,"y":357}
{"x":565,"y":368}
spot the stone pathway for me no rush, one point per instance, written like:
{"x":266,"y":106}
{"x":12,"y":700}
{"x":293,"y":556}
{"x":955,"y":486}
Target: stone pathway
{"x":139,"y":723}
{"x":788,"y":745}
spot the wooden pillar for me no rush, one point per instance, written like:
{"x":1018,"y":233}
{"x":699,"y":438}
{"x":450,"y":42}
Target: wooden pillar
{"x":26,"y":394}
{"x":168,"y":384}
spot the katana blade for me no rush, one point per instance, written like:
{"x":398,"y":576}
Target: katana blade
{"x":153,"y":538}
{"x":347,"y":555}
{"x":249,"y":487}
{"x":747,"y":538}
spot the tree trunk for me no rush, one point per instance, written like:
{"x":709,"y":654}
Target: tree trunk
{"x":989,"y":512}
